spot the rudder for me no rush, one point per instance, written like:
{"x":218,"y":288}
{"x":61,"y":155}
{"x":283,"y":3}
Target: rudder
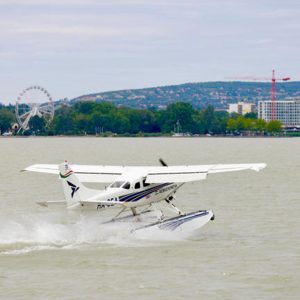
{"x":74,"y":190}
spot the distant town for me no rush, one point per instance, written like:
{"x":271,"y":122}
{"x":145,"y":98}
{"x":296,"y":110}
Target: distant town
{"x":192,"y":109}
{"x":199,"y":95}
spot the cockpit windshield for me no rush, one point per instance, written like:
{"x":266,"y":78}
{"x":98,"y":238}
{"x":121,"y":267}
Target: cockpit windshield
{"x":117,"y":184}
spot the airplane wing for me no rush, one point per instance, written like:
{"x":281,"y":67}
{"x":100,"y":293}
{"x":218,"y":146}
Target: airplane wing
{"x":85,"y":173}
{"x":160,"y":174}
{"x":195,"y":173}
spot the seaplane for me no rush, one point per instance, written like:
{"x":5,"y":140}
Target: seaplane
{"x":137,"y":190}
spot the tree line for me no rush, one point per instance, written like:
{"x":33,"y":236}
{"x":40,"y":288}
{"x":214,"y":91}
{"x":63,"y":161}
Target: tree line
{"x":105,"y":118}
{"x":7,"y":118}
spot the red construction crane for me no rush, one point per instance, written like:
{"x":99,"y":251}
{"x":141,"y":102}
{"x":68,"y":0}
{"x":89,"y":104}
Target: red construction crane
{"x":273,"y":90}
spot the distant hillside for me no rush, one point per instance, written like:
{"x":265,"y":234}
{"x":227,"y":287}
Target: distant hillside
{"x":219,"y":94}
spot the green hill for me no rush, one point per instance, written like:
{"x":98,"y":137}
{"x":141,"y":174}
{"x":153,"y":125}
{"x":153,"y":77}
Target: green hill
{"x":219,"y":94}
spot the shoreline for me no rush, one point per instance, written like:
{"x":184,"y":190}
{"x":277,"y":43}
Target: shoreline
{"x":161,"y":136}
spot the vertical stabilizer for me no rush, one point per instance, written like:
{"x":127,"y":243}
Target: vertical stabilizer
{"x":74,"y":190}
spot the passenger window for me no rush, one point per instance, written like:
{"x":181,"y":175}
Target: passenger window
{"x":144,"y":183}
{"x":126,"y":186}
{"x":137,"y":185}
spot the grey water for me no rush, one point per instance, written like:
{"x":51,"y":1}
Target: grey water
{"x":250,"y":251}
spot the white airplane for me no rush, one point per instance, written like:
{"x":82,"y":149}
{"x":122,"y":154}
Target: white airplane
{"x":133,"y":187}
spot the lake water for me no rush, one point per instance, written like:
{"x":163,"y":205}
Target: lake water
{"x":251,"y":250}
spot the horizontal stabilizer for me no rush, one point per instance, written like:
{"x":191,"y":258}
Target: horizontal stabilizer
{"x":51,"y":203}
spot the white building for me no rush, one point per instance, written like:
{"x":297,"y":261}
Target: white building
{"x":241,"y":108}
{"x":287,"y":112}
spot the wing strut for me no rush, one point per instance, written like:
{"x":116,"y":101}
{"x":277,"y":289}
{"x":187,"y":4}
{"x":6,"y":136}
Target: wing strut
{"x":118,"y":214}
{"x":174,"y":208}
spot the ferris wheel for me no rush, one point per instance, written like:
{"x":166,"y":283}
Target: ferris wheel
{"x":34,"y":101}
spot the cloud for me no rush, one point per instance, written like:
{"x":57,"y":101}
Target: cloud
{"x":75,"y":44}
{"x":261,"y":42}
{"x":99,"y":2}
{"x":44,"y":2}
{"x":88,"y":25}
{"x":78,"y":30}
{"x":280,"y":13}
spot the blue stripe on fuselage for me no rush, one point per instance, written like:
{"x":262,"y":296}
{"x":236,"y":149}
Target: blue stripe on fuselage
{"x":141,"y":194}
{"x":129,"y":196}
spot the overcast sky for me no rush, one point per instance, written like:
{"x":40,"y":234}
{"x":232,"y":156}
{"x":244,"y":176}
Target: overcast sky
{"x":75,"y":47}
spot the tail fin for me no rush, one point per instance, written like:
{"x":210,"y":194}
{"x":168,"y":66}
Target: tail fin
{"x":74,"y":190}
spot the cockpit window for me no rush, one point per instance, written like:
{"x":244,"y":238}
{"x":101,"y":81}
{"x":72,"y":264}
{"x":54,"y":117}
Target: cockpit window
{"x":117,"y":184}
{"x":126,"y":186}
{"x":137,"y":185}
{"x":144,"y":183}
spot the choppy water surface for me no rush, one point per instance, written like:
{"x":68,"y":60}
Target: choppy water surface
{"x":251,"y":250}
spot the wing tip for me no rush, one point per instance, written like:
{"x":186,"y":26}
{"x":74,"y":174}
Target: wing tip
{"x":29,"y":168}
{"x":259,"y":167}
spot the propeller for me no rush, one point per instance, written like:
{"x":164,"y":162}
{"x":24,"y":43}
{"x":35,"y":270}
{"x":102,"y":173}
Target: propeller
{"x":163,"y":163}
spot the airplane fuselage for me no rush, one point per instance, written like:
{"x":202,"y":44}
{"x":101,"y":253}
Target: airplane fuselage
{"x":134,"y":197}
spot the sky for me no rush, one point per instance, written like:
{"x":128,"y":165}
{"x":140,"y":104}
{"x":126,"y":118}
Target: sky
{"x":76,"y":47}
